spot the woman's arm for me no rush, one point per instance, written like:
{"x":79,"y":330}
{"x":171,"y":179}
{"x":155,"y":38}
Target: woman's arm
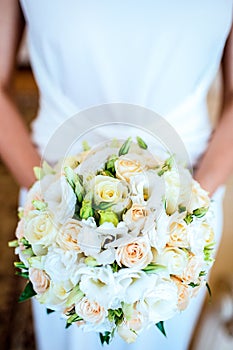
{"x":16,"y":148}
{"x":217,"y":162}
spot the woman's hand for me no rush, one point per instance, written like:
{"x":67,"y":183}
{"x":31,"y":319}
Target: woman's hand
{"x":16,"y":148}
{"x":217,"y":163}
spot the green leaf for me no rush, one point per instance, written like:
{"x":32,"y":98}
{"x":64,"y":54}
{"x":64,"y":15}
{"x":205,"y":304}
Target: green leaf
{"x":27,"y":293}
{"x":125,"y":147}
{"x":104,"y":205}
{"x":160,"y":326}
{"x":49,"y":311}
{"x":75,"y":181}
{"x":115,"y":267}
{"x":22,"y":274}
{"x":105,"y":337}
{"x":154,"y":268}
{"x":208,"y":289}
{"x":202,"y":273}
{"x":141,"y":143}
{"x":25,"y":242}
{"x":188,"y":219}
{"x":20,"y":265}
{"x":116,"y":316}
{"x":110,"y":164}
{"x":193,"y":285}
{"x":73,"y":318}
{"x":200,"y":212}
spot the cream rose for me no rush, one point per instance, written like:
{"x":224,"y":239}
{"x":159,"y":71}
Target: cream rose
{"x":90,"y":311}
{"x":135,"y":216}
{"x":112,"y":191}
{"x":129,"y":328}
{"x":125,"y":168}
{"x":136,"y":254}
{"x":175,"y":259}
{"x":39,"y":228}
{"x":67,"y":237}
{"x":178,"y":233}
{"x":40,"y":280}
{"x":183,"y":294}
{"x":193,"y":269}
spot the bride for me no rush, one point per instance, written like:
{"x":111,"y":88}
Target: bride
{"x":161,"y":55}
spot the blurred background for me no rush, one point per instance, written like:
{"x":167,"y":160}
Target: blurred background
{"x":214,"y":330}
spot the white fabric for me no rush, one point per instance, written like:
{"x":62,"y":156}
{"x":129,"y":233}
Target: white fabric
{"x":159,"y":54}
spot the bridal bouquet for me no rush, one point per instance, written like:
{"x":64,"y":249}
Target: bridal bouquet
{"x":115,"y":239}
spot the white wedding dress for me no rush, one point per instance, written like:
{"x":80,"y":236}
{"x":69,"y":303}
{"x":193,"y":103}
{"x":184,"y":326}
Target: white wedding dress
{"x":162,"y":55}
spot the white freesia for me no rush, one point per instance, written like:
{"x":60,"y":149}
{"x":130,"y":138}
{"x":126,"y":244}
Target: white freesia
{"x":61,"y":265}
{"x":56,"y":296}
{"x":39,"y":228}
{"x":174,"y":259}
{"x":90,"y":311}
{"x":61,"y":200}
{"x":132,"y":284}
{"x":172,"y":190}
{"x":159,"y":232}
{"x":160,"y":302}
{"x":99,"y":284}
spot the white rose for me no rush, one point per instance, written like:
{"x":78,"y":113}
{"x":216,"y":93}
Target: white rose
{"x":40,"y":280}
{"x":40,"y":228}
{"x":199,"y":234}
{"x":174,"y":259}
{"x":136,"y":254}
{"x":90,"y":311}
{"x":99,"y":284}
{"x":125,"y":168}
{"x":198,"y":198}
{"x":67,"y":237}
{"x":61,"y":265}
{"x":112,"y":191}
{"x":160,"y":302}
{"x":61,"y":200}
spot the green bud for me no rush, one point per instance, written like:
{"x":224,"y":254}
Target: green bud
{"x":181,"y":209}
{"x":167,"y":166}
{"x":38,"y":172}
{"x":86,"y":146}
{"x":39,"y":205}
{"x":188,"y":219}
{"x":90,"y":261}
{"x":86,"y":210}
{"x":141,"y":143}
{"x":108,"y":216}
{"x":110,"y":164}
{"x":200,"y":212}
{"x":13,"y":244}
{"x":125,"y":147}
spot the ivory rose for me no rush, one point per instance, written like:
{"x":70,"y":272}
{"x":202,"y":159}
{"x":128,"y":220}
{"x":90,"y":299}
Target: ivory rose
{"x":90,"y":311}
{"x":67,"y":237}
{"x":136,"y":254}
{"x":125,"y":168}
{"x":112,"y":191}
{"x":174,"y":259}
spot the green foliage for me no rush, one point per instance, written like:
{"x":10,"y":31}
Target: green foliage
{"x":141,"y":143}
{"x":160,"y":326}
{"x":188,"y":219}
{"x":105,"y":337}
{"x":200,"y":212}
{"x":167,"y":166}
{"x":116,"y":316}
{"x":27,"y":293}
{"x":153,"y":268}
{"x":73,"y":318}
